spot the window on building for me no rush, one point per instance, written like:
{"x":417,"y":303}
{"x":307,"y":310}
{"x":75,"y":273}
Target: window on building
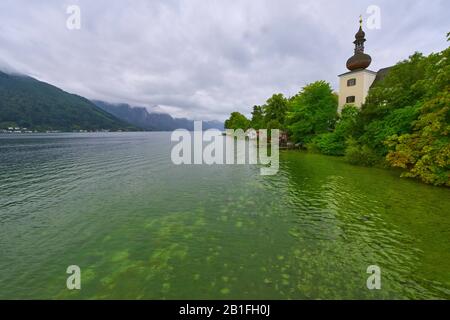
{"x":351,"y":82}
{"x":350,"y":99}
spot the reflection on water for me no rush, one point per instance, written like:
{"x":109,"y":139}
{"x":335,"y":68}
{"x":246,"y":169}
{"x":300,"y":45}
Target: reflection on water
{"x":141,"y":227}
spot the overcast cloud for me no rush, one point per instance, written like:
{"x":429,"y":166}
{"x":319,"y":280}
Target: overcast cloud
{"x":205,"y":59}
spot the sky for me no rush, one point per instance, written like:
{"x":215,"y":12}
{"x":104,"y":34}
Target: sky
{"x":204,"y":59}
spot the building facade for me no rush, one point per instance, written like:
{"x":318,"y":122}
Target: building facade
{"x":355,"y":84}
{"x":354,"y":87}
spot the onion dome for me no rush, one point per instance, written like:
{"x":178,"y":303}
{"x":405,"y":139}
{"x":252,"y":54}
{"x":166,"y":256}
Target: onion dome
{"x":359,"y":60}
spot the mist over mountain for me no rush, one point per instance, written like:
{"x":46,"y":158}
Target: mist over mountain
{"x":140,"y":117}
{"x":26,"y":102}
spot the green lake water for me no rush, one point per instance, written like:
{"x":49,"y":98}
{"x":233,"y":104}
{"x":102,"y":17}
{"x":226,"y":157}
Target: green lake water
{"x":140,"y":227}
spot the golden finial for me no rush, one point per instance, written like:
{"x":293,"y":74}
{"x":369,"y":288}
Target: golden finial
{"x":360,"y":20}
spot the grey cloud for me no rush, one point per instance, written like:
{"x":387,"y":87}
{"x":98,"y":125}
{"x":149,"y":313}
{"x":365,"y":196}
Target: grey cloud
{"x":204,"y":59}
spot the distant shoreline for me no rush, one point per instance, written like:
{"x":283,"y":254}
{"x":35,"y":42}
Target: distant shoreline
{"x":57,"y":132}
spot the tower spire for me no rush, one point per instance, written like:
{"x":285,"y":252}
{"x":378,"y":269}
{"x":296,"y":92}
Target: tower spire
{"x":360,"y":60}
{"x":360,"y":38}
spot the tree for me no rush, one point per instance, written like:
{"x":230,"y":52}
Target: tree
{"x":405,"y":120}
{"x":275,"y":111}
{"x":257,"y":121}
{"x":425,"y":153}
{"x":312,"y":111}
{"x":393,"y":104}
{"x":237,"y":121}
{"x":335,"y":143}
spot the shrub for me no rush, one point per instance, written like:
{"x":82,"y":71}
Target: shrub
{"x":360,"y":154}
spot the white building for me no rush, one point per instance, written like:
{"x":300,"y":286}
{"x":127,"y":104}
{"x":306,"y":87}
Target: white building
{"x":355,"y":84}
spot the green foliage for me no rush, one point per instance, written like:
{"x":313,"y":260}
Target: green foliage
{"x":29,"y":103}
{"x":237,"y":121}
{"x":361,"y":155}
{"x":405,"y":119}
{"x":404,"y":122}
{"x":396,"y":122}
{"x":328,"y":143}
{"x":392,"y":104}
{"x":313,"y":111}
{"x":334,"y":143}
{"x":272,"y":115}
{"x":257,"y":121}
{"x":425,"y":153}
{"x":275,"y":111}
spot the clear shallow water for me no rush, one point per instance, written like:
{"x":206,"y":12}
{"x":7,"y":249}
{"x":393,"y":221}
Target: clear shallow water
{"x":140,"y":227}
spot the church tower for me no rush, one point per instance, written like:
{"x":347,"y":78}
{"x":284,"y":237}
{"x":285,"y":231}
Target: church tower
{"x":355,"y":84}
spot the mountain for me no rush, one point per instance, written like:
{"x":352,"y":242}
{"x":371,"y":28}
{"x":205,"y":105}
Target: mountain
{"x":140,"y":117}
{"x":28,"y":103}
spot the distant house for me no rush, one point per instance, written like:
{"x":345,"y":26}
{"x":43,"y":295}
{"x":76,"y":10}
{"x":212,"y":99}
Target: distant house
{"x":354,"y":85}
{"x":284,"y":138}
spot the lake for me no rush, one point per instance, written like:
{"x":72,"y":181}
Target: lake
{"x":140,"y":227}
